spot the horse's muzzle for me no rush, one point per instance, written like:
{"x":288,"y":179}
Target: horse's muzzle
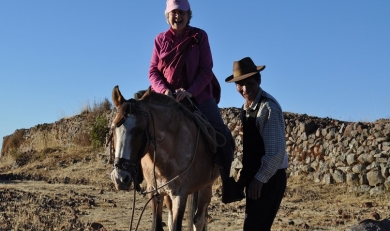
{"x":121,"y":179}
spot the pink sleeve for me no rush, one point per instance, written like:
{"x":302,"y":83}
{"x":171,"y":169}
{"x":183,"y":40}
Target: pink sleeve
{"x":155,"y":76}
{"x":204,"y":70}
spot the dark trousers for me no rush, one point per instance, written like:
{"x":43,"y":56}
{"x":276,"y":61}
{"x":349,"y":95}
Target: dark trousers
{"x":225,"y":154}
{"x":260,"y":213}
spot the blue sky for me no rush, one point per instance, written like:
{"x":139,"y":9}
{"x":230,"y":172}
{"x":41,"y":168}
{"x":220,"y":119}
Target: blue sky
{"x":324,"y":58}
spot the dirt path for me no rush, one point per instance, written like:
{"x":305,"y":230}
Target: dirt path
{"x":71,"y":190}
{"x":112,"y":209}
{"x":26,"y":204}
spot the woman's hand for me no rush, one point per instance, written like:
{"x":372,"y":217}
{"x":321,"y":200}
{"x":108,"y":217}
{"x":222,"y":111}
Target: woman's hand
{"x":168,"y":93}
{"x":181,"y":94}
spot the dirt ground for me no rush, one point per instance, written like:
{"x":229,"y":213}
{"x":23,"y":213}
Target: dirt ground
{"x":72,"y":191}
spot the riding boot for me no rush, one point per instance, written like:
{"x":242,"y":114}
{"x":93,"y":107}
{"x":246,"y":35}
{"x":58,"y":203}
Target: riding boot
{"x":231,"y":191}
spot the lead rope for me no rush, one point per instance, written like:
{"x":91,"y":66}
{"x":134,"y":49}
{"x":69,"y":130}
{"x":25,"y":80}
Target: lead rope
{"x":208,"y":131}
{"x":192,"y":161}
{"x":109,"y":142}
{"x":161,"y":186}
{"x":142,"y":212}
{"x":132,"y":212}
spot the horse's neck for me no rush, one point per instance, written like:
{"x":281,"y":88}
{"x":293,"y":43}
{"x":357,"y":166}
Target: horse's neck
{"x":178,"y":151}
{"x":175,"y":134}
{"x":167,"y":116}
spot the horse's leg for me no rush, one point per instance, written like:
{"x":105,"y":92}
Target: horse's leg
{"x":192,"y":201}
{"x":178,"y":208}
{"x":156,"y":206}
{"x":204,"y":198}
{"x":168,"y":204}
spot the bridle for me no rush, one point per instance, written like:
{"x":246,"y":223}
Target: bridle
{"x":124,"y":164}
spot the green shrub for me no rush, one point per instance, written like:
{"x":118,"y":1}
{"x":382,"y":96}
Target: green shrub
{"x":98,"y":131}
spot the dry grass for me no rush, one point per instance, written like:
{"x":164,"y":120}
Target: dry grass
{"x":97,"y":107}
{"x":82,"y":139}
{"x":12,"y":142}
{"x":311,"y":206}
{"x":6,"y":162}
{"x":74,"y":189}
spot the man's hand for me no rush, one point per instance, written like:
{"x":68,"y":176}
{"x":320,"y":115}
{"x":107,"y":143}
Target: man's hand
{"x":181,"y":94}
{"x":254,"y":189}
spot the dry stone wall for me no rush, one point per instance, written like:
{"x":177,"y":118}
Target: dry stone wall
{"x":325,"y":150}
{"x":330,"y":151}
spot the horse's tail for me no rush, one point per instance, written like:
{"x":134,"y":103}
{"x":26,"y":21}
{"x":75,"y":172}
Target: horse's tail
{"x":191,"y":207}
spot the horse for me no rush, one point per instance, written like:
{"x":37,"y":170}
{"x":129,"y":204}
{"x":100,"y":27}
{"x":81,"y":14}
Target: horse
{"x":163,"y":137}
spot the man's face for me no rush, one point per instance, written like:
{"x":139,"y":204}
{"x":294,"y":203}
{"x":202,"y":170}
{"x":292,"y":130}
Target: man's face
{"x":248,"y":88}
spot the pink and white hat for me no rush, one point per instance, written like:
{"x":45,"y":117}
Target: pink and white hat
{"x":183,"y":5}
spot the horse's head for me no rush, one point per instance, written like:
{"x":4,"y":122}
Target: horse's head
{"x":129,"y":129}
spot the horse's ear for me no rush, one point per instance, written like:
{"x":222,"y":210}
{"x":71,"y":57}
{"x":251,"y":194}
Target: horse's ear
{"x":117,"y":97}
{"x":147,"y":92}
{"x":139,"y":94}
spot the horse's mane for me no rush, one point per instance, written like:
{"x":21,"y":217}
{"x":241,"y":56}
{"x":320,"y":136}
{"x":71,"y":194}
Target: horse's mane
{"x":164,"y":100}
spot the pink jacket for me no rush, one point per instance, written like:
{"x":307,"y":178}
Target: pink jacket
{"x":198,"y":70}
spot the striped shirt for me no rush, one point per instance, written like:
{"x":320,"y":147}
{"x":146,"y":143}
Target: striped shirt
{"x":270,"y":123}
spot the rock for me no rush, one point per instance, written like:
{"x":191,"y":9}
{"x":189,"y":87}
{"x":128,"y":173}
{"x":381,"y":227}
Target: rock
{"x":96,"y":227}
{"x":371,"y":225}
{"x":352,"y":179}
{"x":366,"y":158}
{"x":351,"y":159}
{"x":374,"y":178}
{"x":338,"y":176}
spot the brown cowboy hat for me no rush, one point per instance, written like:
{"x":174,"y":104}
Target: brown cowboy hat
{"x":243,"y":69}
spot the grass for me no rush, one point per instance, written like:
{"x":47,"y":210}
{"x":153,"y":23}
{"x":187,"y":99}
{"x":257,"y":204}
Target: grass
{"x":97,"y":107}
{"x":12,"y":142}
{"x":306,"y":205}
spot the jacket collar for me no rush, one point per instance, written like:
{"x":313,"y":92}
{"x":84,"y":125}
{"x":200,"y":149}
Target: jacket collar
{"x":170,"y":34}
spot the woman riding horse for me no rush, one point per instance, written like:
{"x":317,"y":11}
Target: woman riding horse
{"x":181,"y":64}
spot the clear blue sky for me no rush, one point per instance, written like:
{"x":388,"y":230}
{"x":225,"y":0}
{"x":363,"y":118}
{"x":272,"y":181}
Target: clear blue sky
{"x":325,"y":58}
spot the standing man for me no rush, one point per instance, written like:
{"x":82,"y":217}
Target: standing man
{"x":264,"y":147}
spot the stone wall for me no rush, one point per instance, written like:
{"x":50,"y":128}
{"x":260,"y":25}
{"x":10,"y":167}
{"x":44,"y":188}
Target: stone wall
{"x":325,"y":150}
{"x":330,"y":151}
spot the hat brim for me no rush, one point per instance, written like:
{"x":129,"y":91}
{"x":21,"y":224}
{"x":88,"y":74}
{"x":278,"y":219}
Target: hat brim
{"x":232,"y":79}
